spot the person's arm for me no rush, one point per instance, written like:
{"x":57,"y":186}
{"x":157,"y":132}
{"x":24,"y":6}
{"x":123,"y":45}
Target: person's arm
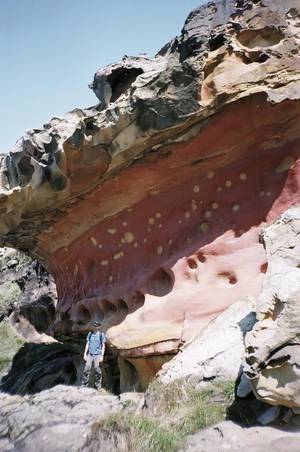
{"x":103,"y":348}
{"x":86,"y":350}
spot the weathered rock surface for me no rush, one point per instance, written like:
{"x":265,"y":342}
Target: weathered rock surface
{"x":218,"y":351}
{"x":273,"y":346}
{"x":56,"y":420}
{"x":36,"y":367}
{"x":230,"y":436}
{"x":27,"y":294}
{"x":30,"y":358}
{"x":27,"y":308}
{"x":147,"y":208}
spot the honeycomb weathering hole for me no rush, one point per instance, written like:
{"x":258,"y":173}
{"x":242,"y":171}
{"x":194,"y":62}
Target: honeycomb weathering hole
{"x":264,"y":267}
{"x":292,"y":13}
{"x":137,"y":301}
{"x":201,"y":257}
{"x":192,"y":263}
{"x":121,"y":305}
{"x":108,"y":307}
{"x":160,"y":283}
{"x":229,"y":276}
{"x":264,"y":37}
{"x":83,"y":314}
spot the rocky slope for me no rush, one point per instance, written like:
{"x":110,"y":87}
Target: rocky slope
{"x":27,"y":291}
{"x":147,"y":208}
{"x":30,"y":358}
{"x":56,"y":420}
{"x":27,"y":304}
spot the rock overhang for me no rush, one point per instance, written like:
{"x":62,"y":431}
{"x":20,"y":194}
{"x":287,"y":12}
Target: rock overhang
{"x":147,"y":207}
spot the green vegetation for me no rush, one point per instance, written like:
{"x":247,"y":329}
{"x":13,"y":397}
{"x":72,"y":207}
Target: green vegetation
{"x":9,"y":293}
{"x":174,"y":411}
{"x":10,"y":344}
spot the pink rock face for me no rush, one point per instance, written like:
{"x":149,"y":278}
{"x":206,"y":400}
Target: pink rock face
{"x":161,"y":269}
{"x":148,"y":207}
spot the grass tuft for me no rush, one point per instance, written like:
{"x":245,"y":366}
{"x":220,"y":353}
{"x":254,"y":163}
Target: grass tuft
{"x":173,"y":412}
{"x":10,"y":342}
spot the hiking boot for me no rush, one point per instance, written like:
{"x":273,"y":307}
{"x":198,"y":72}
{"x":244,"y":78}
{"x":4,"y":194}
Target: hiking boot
{"x":102,"y":391}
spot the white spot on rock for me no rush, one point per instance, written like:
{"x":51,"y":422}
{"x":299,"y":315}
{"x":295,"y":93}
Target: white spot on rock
{"x":159,"y":249}
{"x":203,"y":227}
{"x":112,"y":231}
{"x":154,"y":192}
{"x":196,"y":188}
{"x":194,"y":205}
{"x":94,"y":241}
{"x":118,"y":255}
{"x":243,"y":176}
{"x":129,"y":237}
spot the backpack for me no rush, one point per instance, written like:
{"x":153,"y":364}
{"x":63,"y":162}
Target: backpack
{"x":102,"y":337}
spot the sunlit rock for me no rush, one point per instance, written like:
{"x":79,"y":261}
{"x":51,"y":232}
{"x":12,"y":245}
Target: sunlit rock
{"x":273,"y":346}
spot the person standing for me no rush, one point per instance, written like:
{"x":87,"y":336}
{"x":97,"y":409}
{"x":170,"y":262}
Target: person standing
{"x":93,"y":355}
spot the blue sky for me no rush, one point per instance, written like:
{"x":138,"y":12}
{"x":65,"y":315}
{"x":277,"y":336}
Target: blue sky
{"x":50,"y":49}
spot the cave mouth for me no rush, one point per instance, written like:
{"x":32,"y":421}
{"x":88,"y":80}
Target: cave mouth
{"x":263,"y":37}
{"x":121,"y":79}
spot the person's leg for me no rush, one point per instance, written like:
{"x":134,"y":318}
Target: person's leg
{"x":98,"y":373}
{"x":87,"y":371}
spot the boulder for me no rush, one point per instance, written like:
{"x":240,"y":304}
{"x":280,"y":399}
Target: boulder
{"x":27,"y":294}
{"x":56,"y":420}
{"x":233,"y":437}
{"x":27,"y":312}
{"x":272,"y":360}
{"x":218,"y":351}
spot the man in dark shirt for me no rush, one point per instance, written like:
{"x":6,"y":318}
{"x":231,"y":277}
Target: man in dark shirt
{"x":93,"y":355}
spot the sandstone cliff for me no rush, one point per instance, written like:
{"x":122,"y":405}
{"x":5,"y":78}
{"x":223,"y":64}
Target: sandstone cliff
{"x":147,"y":208}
